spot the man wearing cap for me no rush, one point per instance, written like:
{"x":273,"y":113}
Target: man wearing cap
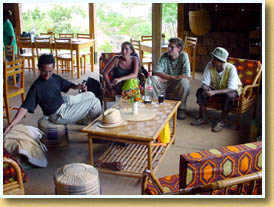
{"x":172,"y":74}
{"x":220,"y":79}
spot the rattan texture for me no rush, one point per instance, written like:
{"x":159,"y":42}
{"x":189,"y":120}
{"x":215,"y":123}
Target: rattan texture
{"x":77,"y":179}
{"x":56,"y":135}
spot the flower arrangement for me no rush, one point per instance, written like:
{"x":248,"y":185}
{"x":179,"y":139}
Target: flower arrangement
{"x":133,"y":95}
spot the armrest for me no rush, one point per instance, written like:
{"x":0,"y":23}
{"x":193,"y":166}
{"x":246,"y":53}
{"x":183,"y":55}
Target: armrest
{"x":247,"y":90}
{"x":155,"y":181}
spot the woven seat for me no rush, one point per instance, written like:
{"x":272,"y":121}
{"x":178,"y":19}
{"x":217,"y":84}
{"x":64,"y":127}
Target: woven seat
{"x":56,"y":135}
{"x":77,"y":179}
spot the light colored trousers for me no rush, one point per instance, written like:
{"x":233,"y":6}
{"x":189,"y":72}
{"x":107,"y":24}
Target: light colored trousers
{"x":75,"y":108}
{"x":180,"y":87}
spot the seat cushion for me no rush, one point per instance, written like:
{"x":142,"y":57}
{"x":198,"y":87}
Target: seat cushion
{"x":199,"y":168}
{"x":169,"y":183}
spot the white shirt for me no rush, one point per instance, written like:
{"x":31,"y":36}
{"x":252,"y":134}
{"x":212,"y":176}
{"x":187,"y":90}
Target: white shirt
{"x":232,"y":81}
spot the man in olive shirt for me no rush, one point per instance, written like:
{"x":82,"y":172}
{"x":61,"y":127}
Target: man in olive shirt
{"x":61,"y":109}
{"x":172,"y":74}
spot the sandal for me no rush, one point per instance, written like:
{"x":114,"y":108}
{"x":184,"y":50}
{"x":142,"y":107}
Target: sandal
{"x":218,"y":127}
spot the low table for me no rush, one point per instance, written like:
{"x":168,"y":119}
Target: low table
{"x":142,"y":151}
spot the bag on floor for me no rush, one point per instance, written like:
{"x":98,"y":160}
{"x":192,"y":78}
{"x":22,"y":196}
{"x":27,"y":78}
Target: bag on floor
{"x":164,"y":136}
{"x":94,"y":86}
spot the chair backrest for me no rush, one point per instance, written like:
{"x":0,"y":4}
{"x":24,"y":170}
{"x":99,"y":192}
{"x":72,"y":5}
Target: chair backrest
{"x":43,"y":42}
{"x":23,"y":42}
{"x":249,"y":71}
{"x":9,"y":53}
{"x":146,"y":38}
{"x":48,"y":34}
{"x":137,"y":46}
{"x":105,"y":58}
{"x":190,"y":46}
{"x":84,"y":36}
{"x":208,"y":166}
{"x":63,"y":44}
{"x":13,"y":188}
{"x":11,"y":69}
{"x":68,"y":35}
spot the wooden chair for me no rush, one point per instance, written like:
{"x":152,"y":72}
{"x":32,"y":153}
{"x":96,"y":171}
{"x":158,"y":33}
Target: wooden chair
{"x":43,"y":42}
{"x":84,"y":54}
{"x":210,"y":188}
{"x":15,"y":187}
{"x":48,"y":34}
{"x":249,"y":72}
{"x":11,"y":69}
{"x":67,"y":59}
{"x":66,"y":35}
{"x":146,"y":60}
{"x":26,"y":42}
{"x":190,"y":46}
{"x":9,"y":56}
{"x":146,"y":38}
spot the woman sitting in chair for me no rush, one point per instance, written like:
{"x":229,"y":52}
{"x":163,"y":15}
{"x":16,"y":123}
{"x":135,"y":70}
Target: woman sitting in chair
{"x":124,"y":70}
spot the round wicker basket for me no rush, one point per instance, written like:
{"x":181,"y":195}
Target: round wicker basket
{"x":56,"y":135}
{"x":77,"y":179}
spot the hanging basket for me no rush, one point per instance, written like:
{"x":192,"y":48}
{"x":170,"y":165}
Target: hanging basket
{"x":199,"y":22}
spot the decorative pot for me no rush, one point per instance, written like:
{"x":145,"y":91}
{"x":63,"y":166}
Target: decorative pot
{"x":135,"y":107}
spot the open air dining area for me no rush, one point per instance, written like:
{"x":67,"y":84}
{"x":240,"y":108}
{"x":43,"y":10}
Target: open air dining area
{"x":133,"y":99}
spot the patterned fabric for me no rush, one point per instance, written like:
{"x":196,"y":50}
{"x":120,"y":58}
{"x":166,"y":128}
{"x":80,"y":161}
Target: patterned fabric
{"x":247,"y":69}
{"x":9,"y":173}
{"x":104,"y":59}
{"x":199,"y":168}
{"x":169,"y":183}
{"x":56,"y":135}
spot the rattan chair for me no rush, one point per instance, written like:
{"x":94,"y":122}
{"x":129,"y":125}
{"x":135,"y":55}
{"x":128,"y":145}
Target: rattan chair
{"x":209,"y":188}
{"x":15,"y":187}
{"x":146,"y":60}
{"x":190,"y":46}
{"x":11,"y":69}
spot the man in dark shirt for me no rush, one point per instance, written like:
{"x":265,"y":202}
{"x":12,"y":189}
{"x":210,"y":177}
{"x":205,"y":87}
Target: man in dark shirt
{"x":46,"y":92}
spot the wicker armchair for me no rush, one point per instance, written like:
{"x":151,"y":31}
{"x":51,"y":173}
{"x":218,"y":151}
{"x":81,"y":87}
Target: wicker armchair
{"x":16,"y":186}
{"x":103,"y":61}
{"x":250,"y":74}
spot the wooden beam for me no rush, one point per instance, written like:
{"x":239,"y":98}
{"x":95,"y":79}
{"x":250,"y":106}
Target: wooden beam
{"x":92,"y":19}
{"x":156,"y":32}
{"x":180,"y":28}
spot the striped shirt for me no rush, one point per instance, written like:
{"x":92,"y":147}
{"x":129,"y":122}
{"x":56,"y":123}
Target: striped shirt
{"x":179,"y":66}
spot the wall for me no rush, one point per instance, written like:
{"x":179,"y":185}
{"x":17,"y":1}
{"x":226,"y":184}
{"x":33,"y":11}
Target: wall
{"x":230,"y":28}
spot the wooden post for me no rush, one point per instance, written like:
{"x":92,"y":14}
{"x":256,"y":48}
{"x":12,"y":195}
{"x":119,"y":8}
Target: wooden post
{"x":180,"y":27}
{"x":156,"y":32}
{"x":92,"y":19}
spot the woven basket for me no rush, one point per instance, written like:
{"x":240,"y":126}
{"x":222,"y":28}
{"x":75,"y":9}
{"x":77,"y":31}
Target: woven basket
{"x":77,"y":179}
{"x":56,"y":135}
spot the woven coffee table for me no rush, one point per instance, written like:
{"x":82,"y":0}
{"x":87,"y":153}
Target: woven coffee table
{"x":142,"y":151}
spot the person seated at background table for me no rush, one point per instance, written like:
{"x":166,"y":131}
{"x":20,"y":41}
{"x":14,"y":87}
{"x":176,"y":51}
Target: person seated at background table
{"x":220,"y":79}
{"x":124,"y":69}
{"x":172,"y":74}
{"x":9,"y":38}
{"x":46,"y":92}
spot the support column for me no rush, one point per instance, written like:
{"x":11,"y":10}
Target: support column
{"x":180,"y":27}
{"x":156,"y":32}
{"x":92,"y":19}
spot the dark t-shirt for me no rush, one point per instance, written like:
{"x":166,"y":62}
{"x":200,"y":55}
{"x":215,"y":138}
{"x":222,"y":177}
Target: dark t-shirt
{"x":47,"y":93}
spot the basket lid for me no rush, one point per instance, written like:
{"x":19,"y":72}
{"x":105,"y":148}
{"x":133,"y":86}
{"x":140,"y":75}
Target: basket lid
{"x":76,"y":174}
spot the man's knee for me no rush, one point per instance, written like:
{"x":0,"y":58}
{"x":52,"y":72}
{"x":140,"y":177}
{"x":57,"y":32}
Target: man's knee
{"x":200,"y":92}
{"x":230,"y":96}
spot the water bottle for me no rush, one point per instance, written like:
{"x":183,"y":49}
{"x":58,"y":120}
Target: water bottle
{"x":148,"y":89}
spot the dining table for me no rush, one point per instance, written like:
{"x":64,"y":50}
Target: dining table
{"x":146,"y":46}
{"x":77,"y":45}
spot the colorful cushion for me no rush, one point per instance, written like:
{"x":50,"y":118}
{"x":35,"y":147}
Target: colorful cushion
{"x":9,"y":173}
{"x":199,"y":168}
{"x":169,"y":183}
{"x":247,"y":69}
